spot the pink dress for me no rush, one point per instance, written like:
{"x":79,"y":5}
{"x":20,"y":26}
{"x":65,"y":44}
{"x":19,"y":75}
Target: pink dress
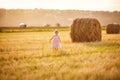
{"x":56,"y":41}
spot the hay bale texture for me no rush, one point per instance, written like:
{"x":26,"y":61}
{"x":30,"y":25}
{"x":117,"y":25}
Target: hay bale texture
{"x":85,"y":30}
{"x":113,"y":28}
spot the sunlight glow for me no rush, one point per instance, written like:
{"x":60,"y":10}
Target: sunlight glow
{"x":62,"y":4}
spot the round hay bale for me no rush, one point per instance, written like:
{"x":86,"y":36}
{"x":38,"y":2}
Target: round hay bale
{"x":22,"y":25}
{"x":113,"y":29}
{"x":85,"y":30}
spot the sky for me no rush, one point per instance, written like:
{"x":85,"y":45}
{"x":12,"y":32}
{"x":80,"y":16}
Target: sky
{"x":95,"y":5}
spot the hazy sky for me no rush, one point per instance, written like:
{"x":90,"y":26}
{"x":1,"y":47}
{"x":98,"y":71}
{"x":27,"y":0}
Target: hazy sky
{"x":106,"y":5}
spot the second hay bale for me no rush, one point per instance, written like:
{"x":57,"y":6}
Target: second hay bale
{"x":113,"y":29}
{"x":85,"y":30}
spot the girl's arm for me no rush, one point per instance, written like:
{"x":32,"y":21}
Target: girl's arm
{"x":51,"y":38}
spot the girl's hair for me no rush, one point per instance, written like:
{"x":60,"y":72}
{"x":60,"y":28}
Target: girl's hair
{"x":56,"y":31}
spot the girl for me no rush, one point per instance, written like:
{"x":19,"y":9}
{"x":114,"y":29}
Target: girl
{"x":55,"y":40}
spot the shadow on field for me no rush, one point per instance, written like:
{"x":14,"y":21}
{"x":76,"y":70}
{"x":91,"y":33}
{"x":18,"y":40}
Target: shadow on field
{"x":102,"y":44}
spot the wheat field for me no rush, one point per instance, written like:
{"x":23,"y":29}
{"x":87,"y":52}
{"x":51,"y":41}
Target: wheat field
{"x":29,"y":56}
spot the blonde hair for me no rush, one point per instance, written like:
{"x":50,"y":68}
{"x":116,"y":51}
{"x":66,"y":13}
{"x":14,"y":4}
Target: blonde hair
{"x":56,"y":31}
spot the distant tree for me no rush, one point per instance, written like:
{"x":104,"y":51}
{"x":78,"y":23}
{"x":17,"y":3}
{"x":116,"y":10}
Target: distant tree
{"x":58,"y":25}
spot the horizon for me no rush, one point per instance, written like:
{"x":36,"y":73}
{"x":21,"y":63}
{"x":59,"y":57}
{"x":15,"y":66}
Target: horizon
{"x":93,"y":5}
{"x":57,"y":9}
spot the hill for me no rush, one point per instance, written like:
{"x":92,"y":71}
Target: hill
{"x":42,"y":17}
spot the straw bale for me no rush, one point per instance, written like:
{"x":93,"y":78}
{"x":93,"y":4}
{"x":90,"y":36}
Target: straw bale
{"x":113,"y":29}
{"x":85,"y":30}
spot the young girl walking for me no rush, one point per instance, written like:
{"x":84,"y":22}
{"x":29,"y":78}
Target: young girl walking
{"x":55,"y":40}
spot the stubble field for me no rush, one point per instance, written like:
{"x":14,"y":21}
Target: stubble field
{"x":29,"y":56}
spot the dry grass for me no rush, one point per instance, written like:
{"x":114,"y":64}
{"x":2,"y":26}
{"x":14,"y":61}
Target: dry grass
{"x":28,"y":56}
